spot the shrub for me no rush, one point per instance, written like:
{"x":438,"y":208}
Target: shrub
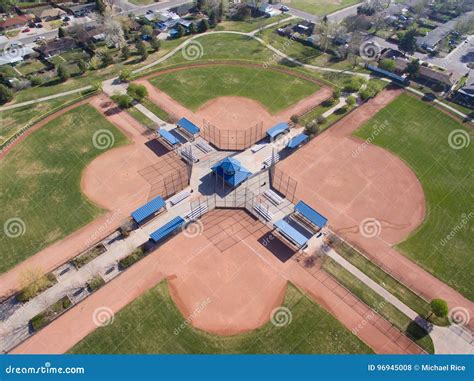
{"x":311,"y":129}
{"x":295,"y":119}
{"x":329,"y":102}
{"x":36,"y":80}
{"x":137,"y":92}
{"x":354,"y":84}
{"x":351,"y":101}
{"x":63,"y":73}
{"x":95,"y":283}
{"x":387,"y":65}
{"x":123,"y":101}
{"x":39,"y":283}
{"x":439,"y":307}
{"x":88,"y":256}
{"x":321,"y":119}
{"x":125,"y":75}
{"x":129,"y":260}
{"x":369,"y":92}
{"x":48,"y":315}
{"x":6,"y":95}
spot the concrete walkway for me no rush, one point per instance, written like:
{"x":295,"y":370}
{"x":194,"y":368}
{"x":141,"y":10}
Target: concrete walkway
{"x":446,"y":340}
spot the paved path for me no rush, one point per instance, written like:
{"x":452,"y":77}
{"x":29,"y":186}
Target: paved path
{"x":445,"y":339}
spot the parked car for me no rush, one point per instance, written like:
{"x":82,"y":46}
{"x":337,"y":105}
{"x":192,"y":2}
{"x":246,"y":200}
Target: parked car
{"x":284,"y":8}
{"x":39,"y":25}
{"x":25,"y":30}
{"x":40,"y":38}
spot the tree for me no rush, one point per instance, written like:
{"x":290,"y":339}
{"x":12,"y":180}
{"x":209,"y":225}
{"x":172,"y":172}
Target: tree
{"x":81,"y":64}
{"x":141,"y":50}
{"x":125,"y":52}
{"x":179,"y":31}
{"x":311,"y":129}
{"x":137,"y":92}
{"x":107,"y":59}
{"x":101,"y":6}
{"x":61,"y":32}
{"x":370,"y":91}
{"x":351,"y":101}
{"x":125,"y":75}
{"x":63,"y":73}
{"x":147,"y":31}
{"x":387,"y":64}
{"x":8,"y":6}
{"x":439,"y":308}
{"x":6,"y":94}
{"x":155,"y":43}
{"x":123,"y":101}
{"x":203,"y":25}
{"x":336,"y":94}
{"x":407,"y":43}
{"x":213,"y":20}
{"x":413,"y":67}
{"x":192,"y":28}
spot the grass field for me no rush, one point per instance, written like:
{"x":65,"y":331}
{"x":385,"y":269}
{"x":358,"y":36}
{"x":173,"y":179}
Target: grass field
{"x":41,"y":183}
{"x":276,"y":91}
{"x":251,"y":24}
{"x":379,"y":304}
{"x":140,"y":117}
{"x":419,"y":134}
{"x":147,"y":325}
{"x":321,"y":7}
{"x":11,"y":121}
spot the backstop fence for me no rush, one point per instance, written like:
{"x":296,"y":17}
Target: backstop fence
{"x":284,"y":184}
{"x":232,"y":140}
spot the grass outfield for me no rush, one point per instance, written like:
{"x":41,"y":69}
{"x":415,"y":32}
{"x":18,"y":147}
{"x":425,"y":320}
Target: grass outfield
{"x":275,"y":91}
{"x":321,"y":7}
{"x":41,"y":183}
{"x":251,"y":24}
{"x":418,"y":134}
{"x":148,"y":324}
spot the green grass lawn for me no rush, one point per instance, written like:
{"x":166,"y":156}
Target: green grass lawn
{"x":155,"y":109}
{"x":141,"y":117}
{"x":251,"y":24}
{"x":379,"y":304}
{"x":15,"y":119}
{"x":418,"y":133}
{"x":321,"y":7}
{"x":147,"y":325}
{"x":276,"y":91}
{"x":41,"y":183}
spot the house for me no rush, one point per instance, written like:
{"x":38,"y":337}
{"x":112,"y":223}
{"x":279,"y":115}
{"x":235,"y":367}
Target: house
{"x":81,"y":10}
{"x":86,"y":35}
{"x":55,"y":47}
{"x":45,"y":13}
{"x":182,"y":10}
{"x":446,"y":77}
{"x":16,"y":22}
{"x":304,"y":27}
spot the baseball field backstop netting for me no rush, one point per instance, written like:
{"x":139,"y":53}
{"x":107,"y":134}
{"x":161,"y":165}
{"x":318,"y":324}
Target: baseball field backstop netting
{"x":283,"y":183}
{"x":234,"y":140}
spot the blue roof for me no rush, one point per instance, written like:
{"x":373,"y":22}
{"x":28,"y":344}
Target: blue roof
{"x":310,"y":214}
{"x":387,"y":73}
{"x":168,"y":137}
{"x":148,"y":209}
{"x":297,"y":140}
{"x":188,"y":126}
{"x":167,"y":229}
{"x":291,"y":232}
{"x":278,"y":129}
{"x":231,"y":171}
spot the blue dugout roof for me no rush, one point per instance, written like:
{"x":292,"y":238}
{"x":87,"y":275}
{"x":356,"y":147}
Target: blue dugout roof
{"x":297,"y":140}
{"x":167,"y":229}
{"x":188,"y":126}
{"x":278,"y":129}
{"x":291,"y":232}
{"x":168,"y":137}
{"x":310,"y":214}
{"x":231,"y":171}
{"x":148,"y":209}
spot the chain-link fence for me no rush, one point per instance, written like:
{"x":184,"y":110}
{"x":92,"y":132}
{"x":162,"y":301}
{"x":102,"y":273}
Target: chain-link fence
{"x":234,"y":140}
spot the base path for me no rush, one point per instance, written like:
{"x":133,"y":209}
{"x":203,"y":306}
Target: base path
{"x":354,"y":183}
{"x":228,"y":281}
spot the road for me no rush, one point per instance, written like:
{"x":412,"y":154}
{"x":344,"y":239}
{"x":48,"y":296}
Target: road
{"x":124,"y":5}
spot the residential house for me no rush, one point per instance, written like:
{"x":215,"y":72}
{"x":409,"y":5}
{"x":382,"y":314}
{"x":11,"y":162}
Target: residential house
{"x":58,"y":46}
{"x":445,"y":77}
{"x":81,"y":10}
{"x":86,"y":35}
{"x":182,"y":10}
{"x":16,"y":22}
{"x":45,"y":13}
